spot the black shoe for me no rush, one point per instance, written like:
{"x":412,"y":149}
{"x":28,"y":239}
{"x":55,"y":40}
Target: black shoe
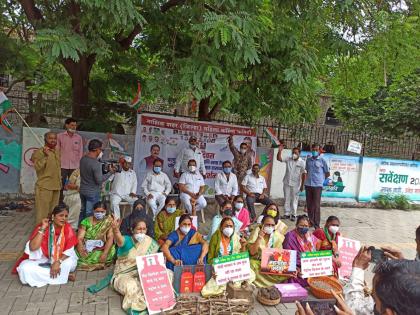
{"x":293,"y":218}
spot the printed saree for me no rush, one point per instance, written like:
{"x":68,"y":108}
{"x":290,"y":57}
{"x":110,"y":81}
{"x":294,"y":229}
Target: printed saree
{"x":165,"y":223}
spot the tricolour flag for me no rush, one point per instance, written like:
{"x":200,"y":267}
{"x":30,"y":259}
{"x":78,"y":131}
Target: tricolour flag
{"x":5,"y":107}
{"x":135,"y":103}
{"x":272,"y":136}
{"x":115,"y":146}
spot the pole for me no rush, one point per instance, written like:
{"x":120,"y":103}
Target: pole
{"x":30,"y":129}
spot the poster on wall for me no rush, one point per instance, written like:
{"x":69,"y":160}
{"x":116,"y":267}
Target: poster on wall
{"x":165,"y":137}
{"x":10,"y":160}
{"x":344,"y":174}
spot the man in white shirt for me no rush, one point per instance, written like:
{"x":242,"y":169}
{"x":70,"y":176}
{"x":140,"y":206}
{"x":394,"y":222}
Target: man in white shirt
{"x":156,"y":187}
{"x":192,"y":152}
{"x":191,"y":186}
{"x":293,"y":181}
{"x":124,"y":187}
{"x":255,"y":188}
{"x":226,"y":184}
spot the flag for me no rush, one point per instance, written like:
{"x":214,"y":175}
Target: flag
{"x":135,"y":103}
{"x":115,"y":146}
{"x":272,"y":136}
{"x":5,"y":107}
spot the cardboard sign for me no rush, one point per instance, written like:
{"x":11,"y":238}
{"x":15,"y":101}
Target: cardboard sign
{"x":278,"y":261}
{"x":194,"y":221}
{"x":316,"y":264}
{"x":234,"y":267}
{"x":155,"y":283}
{"x":347,"y":249}
{"x":355,"y":147}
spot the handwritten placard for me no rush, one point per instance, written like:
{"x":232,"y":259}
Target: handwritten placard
{"x":155,"y":283}
{"x":234,"y":267}
{"x":355,"y":147}
{"x":316,"y":264}
{"x":278,"y":261}
{"x":347,"y":249}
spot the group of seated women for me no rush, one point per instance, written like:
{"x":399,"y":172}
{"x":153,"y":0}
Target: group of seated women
{"x":54,"y":250}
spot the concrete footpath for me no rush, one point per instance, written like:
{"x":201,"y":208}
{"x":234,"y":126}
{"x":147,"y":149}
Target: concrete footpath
{"x":371,"y":226}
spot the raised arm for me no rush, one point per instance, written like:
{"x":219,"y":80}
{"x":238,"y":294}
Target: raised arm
{"x":281,"y":147}
{"x":119,"y":239}
{"x":35,"y":243}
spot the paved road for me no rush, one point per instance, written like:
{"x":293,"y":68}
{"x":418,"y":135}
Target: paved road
{"x":371,"y":226}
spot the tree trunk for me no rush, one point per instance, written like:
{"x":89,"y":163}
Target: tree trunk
{"x":79,"y":73}
{"x":204,"y":111}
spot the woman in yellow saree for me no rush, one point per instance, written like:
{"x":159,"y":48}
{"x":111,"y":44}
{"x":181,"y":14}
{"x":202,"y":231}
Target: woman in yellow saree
{"x":264,"y":236}
{"x":126,"y":278}
{"x":224,"y":242}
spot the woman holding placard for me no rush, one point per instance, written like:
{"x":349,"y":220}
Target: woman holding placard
{"x":126,"y":277}
{"x":301,"y":240}
{"x":224,"y":242}
{"x":262,"y":237}
{"x":185,"y":246}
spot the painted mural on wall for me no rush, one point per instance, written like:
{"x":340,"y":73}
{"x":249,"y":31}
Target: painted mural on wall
{"x":113,"y":146}
{"x":10,"y":160}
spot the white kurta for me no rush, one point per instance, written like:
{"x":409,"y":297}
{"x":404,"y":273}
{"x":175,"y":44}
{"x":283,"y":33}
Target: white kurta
{"x":36,"y":276}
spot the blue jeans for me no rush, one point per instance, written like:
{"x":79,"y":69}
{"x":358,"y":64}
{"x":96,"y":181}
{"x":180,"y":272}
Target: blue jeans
{"x":87,"y":205}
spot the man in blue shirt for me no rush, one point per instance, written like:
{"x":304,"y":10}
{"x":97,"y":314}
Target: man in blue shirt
{"x":317,"y":171}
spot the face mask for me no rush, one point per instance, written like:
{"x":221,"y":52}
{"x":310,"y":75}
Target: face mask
{"x":192,"y":168}
{"x":303,"y":230}
{"x":239,"y":205}
{"x":227,"y":170}
{"x":100,"y":155}
{"x":227,"y":212}
{"x":193,"y":146}
{"x":99,"y":215}
{"x":243,"y":151}
{"x":157,"y":169}
{"x":295,"y":156}
{"x":315,"y":153}
{"x":272,"y":213}
{"x":170,"y":209}
{"x":71,"y":130}
{"x":268,"y":229}
{"x":335,"y":178}
{"x":228,"y":231}
{"x":185,"y":229}
{"x":334,"y":229}
{"x":139,"y":236}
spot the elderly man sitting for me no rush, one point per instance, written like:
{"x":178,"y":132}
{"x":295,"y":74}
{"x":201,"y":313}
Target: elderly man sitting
{"x":124,"y":187}
{"x":191,"y":185}
{"x":156,"y":187}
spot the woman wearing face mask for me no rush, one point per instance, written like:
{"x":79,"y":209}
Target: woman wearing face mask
{"x":224,"y":242}
{"x":273,"y":210}
{"x":226,"y":210}
{"x":185,"y":246}
{"x":126,"y":277}
{"x":301,"y":240}
{"x":328,"y":237}
{"x":139,"y":212}
{"x":241,"y":213}
{"x":95,"y":247}
{"x":264,"y":236}
{"x":165,"y":220}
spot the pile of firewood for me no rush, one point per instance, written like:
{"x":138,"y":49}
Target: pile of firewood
{"x":196,"y":305}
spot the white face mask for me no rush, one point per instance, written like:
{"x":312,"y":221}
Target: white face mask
{"x":239,"y":205}
{"x":243,"y":151}
{"x":71,"y":130}
{"x":268,"y":229}
{"x":192,"y":168}
{"x":193,"y":146}
{"x":295,"y":156}
{"x":139,"y":236}
{"x":228,"y":231}
{"x":185,"y":229}
{"x":100,"y":155}
{"x":334,"y":229}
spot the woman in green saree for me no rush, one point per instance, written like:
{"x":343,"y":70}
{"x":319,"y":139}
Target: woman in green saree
{"x":126,"y":277}
{"x":165,"y":220}
{"x":224,"y":242}
{"x":95,"y":247}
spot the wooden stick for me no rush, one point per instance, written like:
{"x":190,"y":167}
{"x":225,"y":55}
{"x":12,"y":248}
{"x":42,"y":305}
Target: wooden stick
{"x":30,"y":129}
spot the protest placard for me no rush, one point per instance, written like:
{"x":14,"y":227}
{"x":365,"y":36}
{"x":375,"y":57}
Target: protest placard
{"x":316,"y":264}
{"x":234,"y":267}
{"x":355,"y":147}
{"x":278,"y":261}
{"x":155,"y":283}
{"x":347,"y":249}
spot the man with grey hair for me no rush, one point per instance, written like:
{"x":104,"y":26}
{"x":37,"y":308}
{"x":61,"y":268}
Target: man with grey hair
{"x":48,"y":171}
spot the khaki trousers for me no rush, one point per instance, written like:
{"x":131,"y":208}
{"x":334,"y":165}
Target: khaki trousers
{"x":45,"y":201}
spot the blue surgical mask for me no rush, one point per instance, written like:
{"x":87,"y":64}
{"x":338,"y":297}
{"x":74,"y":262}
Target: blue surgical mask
{"x":315,"y":153}
{"x":99,"y":215}
{"x":303,"y":230}
{"x":157,"y":169}
{"x":227,"y":170}
{"x":170,"y":209}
